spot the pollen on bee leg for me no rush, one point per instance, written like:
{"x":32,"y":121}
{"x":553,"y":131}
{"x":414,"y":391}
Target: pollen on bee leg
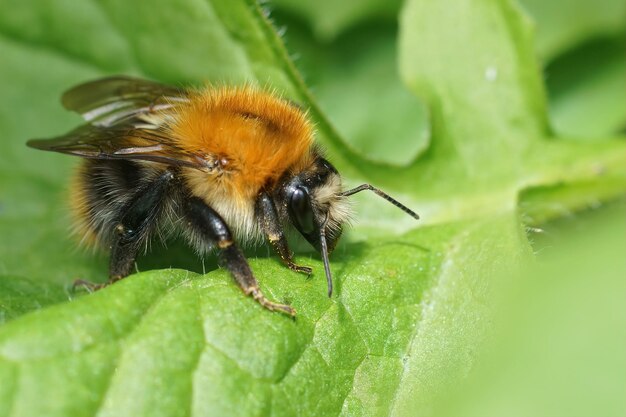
{"x":223,"y":244}
{"x":273,"y":237}
{"x":254,"y":291}
{"x":114,"y":278}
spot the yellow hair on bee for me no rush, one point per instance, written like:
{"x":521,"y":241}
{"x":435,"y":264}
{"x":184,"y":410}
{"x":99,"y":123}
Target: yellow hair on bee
{"x":249,"y":139}
{"x":79,"y":207}
{"x":252,"y":133}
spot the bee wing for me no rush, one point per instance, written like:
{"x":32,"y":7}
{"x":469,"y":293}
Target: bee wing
{"x":123,"y":122}
{"x":97,"y":142}
{"x":120,"y":100}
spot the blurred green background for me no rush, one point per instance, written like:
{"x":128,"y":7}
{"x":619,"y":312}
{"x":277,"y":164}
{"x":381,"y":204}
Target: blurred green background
{"x":392,"y":109}
{"x":348,"y":55}
{"x":560,"y":347}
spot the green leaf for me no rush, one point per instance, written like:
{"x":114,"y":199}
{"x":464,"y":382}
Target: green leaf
{"x":159,"y":334}
{"x":559,"y":345}
{"x":563,"y":24}
{"x":491,"y":128}
{"x":362,"y":95}
{"x":582,"y":44}
{"x":19,"y":295}
{"x":329,"y":19}
{"x":587,"y":87}
{"x":411,"y":306}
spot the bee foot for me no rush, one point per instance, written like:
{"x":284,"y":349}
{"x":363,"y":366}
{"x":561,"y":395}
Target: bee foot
{"x":87,"y":285}
{"x":306,"y":270}
{"x":256,"y":293}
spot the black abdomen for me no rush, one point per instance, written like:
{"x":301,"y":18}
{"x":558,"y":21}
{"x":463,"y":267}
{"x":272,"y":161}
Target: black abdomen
{"x":102,"y":190}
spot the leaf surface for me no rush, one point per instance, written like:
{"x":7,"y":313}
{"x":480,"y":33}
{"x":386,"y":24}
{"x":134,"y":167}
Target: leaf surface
{"x":411,"y":305}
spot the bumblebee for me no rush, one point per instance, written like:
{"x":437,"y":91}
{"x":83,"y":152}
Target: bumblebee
{"x":217,"y":165}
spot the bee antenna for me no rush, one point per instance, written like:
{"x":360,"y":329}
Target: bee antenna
{"x":324,"y":250}
{"x":382,"y":194}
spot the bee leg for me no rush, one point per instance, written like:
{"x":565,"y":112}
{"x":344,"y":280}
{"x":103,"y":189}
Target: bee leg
{"x":207,"y":224}
{"x":136,"y":222}
{"x":94,"y":286}
{"x":87,"y":285}
{"x":265,"y":212}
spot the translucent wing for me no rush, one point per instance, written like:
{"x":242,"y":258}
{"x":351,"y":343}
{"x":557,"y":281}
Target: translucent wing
{"x":98,"y":142}
{"x":117,"y":110}
{"x":120,"y":100}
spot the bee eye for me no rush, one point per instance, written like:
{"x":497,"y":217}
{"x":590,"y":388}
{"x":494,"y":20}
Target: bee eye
{"x":301,"y":211}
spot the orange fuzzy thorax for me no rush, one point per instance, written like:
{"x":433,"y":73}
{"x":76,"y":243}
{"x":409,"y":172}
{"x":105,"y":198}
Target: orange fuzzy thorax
{"x":255,"y":136}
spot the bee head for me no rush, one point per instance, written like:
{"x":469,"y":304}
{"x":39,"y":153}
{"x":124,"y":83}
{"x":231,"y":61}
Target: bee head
{"x":318,"y":208}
